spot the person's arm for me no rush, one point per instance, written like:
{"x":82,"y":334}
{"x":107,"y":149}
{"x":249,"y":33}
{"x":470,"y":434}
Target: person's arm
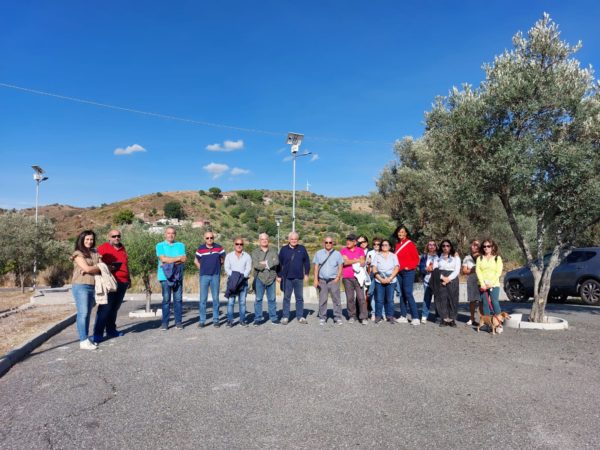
{"x":316,"y":274}
{"x":85,"y":268}
{"x":227,"y":267}
{"x":306,"y":264}
{"x":456,"y":269}
{"x":197,"y":263}
{"x":257,"y":264}
{"x":339,"y":273}
{"x":247,"y":266}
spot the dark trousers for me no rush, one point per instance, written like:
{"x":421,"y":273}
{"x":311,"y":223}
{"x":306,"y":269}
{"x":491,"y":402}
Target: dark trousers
{"x":106,"y":315}
{"x":446,"y":300}
{"x":355,"y":294}
{"x":295,"y":285}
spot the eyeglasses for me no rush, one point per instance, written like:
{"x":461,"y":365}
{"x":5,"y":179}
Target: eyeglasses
{"x":209,"y":238}
{"x":431,"y":244}
{"x":487,"y":246}
{"x":361,"y":242}
{"x":328,"y":242}
{"x":116,"y":236}
{"x":376,"y":244}
{"x":446,"y":245}
{"x":239,"y":243}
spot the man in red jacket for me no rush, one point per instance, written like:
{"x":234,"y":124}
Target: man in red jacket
{"x":114,"y":255}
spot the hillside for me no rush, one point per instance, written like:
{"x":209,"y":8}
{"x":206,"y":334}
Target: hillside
{"x":241,"y":212}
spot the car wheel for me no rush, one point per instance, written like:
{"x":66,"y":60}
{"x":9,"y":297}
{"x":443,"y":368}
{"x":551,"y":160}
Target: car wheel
{"x":516,"y":292}
{"x":556,"y":297}
{"x":590,"y":292}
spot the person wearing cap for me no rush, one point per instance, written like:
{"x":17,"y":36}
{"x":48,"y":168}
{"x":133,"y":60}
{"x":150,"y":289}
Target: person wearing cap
{"x":114,"y":255}
{"x":328,"y":264}
{"x":352,"y":254}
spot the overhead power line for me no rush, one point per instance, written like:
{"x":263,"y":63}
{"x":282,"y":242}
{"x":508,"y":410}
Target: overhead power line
{"x":181,"y":119}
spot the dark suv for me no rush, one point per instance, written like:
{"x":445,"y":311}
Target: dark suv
{"x":577,"y":275}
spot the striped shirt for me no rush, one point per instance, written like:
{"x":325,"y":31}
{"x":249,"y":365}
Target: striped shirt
{"x":210,"y":259}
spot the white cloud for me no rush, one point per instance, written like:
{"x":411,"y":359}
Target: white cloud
{"x":288,"y":158}
{"x":314,"y":157}
{"x":215,"y":169}
{"x":227,"y":146}
{"x":237,"y":171}
{"x":129,"y":149}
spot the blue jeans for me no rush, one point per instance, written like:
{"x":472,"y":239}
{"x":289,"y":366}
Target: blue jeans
{"x":271,"y":300}
{"x":295,"y":285}
{"x":371,"y":293}
{"x":384,"y":296}
{"x":427,"y":295}
{"x":242,"y":302}
{"x":406,"y":279}
{"x":106,"y":315}
{"x":494,"y":294}
{"x":85,"y":297}
{"x":212,"y":282}
{"x":177,"y":291}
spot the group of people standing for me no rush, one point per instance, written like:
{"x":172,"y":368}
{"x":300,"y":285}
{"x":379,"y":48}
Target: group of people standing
{"x":371,"y":277}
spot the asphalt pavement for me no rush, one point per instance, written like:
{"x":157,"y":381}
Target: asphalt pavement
{"x":309,"y":386}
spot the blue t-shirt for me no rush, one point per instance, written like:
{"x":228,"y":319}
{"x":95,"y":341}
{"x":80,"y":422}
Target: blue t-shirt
{"x":171,"y":250}
{"x":332,"y":264}
{"x":210,"y":259}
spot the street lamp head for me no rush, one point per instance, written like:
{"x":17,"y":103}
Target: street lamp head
{"x":295,"y":139}
{"x":38,"y":169}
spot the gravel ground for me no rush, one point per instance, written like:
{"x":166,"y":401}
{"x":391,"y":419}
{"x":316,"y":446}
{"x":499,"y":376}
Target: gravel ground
{"x":309,"y":386}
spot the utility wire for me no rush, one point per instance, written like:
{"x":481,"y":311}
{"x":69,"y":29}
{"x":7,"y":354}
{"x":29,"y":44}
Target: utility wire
{"x":181,"y":119}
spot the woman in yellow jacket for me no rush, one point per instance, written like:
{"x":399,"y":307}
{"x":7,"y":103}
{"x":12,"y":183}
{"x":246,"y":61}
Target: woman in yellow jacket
{"x":489,"y":270}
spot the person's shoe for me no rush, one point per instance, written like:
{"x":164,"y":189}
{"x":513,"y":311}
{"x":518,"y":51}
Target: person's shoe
{"x":217,"y":325}
{"x":229,"y":324}
{"x":469,"y":323}
{"x":164,"y":327}
{"x":115,"y":334}
{"x":244,"y":323}
{"x":373,"y":317}
{"x":423,"y":319}
{"x":443,"y":323}
{"x":391,"y":321}
{"x":179,"y":327}
{"x":255,"y":324}
{"x":87,"y":345}
{"x":377,"y":320}
{"x":96,"y":339}
{"x":452,"y":324}
{"x":415,"y":322}
{"x":338,"y":322}
{"x":274,"y":322}
{"x":364,"y":321}
{"x":351,"y":320}
{"x":322,"y":322}
{"x":401,"y":320}
{"x":201,"y":325}
{"x":303,"y":321}
{"x":284,"y":321}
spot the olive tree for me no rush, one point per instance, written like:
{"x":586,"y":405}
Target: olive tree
{"x":142,"y":262}
{"x":532,"y":129}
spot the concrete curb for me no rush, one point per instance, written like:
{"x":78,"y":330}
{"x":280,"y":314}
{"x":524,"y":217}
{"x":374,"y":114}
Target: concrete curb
{"x":19,"y":353}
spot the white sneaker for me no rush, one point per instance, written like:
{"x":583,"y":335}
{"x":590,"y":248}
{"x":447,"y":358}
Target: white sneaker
{"x":87,"y":345}
{"x":321,"y":321}
{"x":423,"y":319}
{"x":415,"y":322}
{"x":469,"y":323}
{"x":373,"y":317}
{"x":401,"y":320}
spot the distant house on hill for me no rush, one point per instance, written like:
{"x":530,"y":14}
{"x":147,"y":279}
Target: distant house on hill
{"x":201,"y":223}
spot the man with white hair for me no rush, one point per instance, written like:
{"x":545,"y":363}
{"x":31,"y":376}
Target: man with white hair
{"x":294,"y":267}
{"x":264,"y":262}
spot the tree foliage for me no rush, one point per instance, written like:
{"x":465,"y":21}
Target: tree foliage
{"x":215,"y":192}
{"x":531,"y":130}
{"x":123,"y":217}
{"x":174,"y":210}
{"x":22,"y":243}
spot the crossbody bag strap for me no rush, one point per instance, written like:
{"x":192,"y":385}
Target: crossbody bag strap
{"x":402,"y":246}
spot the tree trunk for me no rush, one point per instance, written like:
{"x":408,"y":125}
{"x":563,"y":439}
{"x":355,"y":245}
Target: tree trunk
{"x":147,"y":291}
{"x":542,"y":285}
{"x":21,"y":277}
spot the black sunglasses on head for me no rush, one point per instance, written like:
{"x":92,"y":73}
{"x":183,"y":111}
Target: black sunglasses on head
{"x":116,"y":236}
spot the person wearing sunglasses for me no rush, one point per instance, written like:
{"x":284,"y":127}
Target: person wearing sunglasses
{"x":209,"y":258}
{"x":468,"y":269}
{"x":114,"y":255}
{"x":426,"y":264}
{"x":489,"y":270}
{"x":238,"y":265}
{"x":385,"y":268}
{"x":328,"y":264}
{"x":446,"y":284}
{"x":408,"y":260}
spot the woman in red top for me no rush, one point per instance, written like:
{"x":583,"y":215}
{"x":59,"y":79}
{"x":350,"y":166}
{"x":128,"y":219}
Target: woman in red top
{"x":408,"y":260}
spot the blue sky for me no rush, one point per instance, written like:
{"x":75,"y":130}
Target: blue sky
{"x":353,"y":76}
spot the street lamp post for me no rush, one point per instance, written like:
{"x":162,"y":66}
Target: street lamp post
{"x":295,"y":139}
{"x":38,"y":177}
{"x":278,"y":223}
